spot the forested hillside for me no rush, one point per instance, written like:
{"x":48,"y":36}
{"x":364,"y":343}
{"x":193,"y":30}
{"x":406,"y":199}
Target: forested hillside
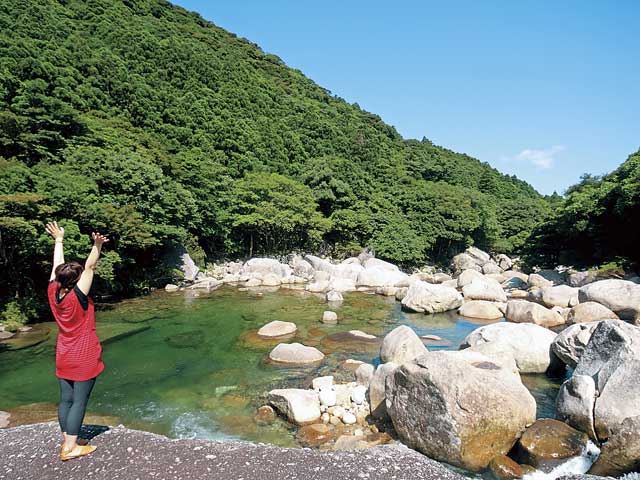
{"x":154,"y":126}
{"x":598,"y":222}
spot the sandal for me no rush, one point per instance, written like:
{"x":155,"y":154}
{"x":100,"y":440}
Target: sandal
{"x":75,"y":452}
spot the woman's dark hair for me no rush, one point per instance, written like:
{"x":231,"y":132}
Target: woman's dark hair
{"x":68,"y":274}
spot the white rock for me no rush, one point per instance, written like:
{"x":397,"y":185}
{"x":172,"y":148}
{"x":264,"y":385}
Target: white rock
{"x":299,"y":406}
{"x":170,"y":287}
{"x":329,"y":317}
{"x":358,"y":394}
{"x":349,"y":418}
{"x":401,"y":345}
{"x":484,"y":289}
{"x":322,"y":382}
{"x":295,"y":353}
{"x":334,"y":296}
{"x":428,"y":298}
{"x":277,"y":329}
{"x":327,"y":396}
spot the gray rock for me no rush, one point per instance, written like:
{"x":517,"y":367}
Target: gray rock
{"x":425,"y":297}
{"x":537,"y":280}
{"x":263,"y":266}
{"x":464,"y":261}
{"x":612,"y":359}
{"x":460,"y":395}
{"x":529,"y":344}
{"x":619,"y":296}
{"x":504,"y":262}
{"x":377,"y":393}
{"x":401,"y":345}
{"x":621,"y":453}
{"x":580,"y":279}
{"x":478,"y":256}
{"x":574,"y":404}
{"x":569,"y":345}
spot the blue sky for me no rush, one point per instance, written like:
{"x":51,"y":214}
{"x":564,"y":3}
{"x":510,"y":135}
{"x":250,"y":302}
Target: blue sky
{"x":545,"y":90}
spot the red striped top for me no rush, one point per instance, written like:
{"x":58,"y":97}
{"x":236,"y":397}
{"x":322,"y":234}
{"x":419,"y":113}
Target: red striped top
{"x":78,"y":350}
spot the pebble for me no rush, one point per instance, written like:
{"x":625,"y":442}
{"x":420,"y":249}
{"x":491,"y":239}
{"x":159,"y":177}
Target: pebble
{"x":349,"y":418}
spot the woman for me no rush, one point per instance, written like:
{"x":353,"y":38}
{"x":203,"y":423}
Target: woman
{"x":78,"y":349}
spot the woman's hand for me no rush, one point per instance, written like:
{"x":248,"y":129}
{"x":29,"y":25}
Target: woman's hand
{"x":54,"y":230}
{"x":98,"y":238}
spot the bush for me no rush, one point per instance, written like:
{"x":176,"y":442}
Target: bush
{"x":17,"y":313}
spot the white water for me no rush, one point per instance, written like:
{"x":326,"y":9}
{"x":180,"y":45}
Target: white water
{"x":575,"y":465}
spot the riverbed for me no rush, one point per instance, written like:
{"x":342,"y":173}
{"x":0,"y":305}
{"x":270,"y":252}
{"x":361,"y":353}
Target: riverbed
{"x":189,"y":364}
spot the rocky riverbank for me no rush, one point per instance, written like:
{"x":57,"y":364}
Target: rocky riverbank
{"x":32,"y":451}
{"x":470,"y":408}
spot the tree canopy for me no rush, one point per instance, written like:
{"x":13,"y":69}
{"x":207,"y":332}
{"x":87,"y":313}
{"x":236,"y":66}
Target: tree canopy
{"x":146,"y":122}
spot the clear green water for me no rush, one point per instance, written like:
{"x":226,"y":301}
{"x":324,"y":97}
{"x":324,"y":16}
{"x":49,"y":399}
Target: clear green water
{"x":189,"y":364}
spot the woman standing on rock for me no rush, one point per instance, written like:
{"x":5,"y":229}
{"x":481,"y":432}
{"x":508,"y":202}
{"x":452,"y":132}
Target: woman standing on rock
{"x":78,"y":349}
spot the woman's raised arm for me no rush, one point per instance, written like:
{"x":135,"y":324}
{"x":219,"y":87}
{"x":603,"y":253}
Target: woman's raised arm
{"x":86,"y":279}
{"x":57,"y":233}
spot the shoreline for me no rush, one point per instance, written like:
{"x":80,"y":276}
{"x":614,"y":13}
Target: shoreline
{"x":31,"y":451}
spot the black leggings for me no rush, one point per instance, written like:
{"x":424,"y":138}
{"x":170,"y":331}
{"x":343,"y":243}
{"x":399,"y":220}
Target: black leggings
{"x":73,"y":403}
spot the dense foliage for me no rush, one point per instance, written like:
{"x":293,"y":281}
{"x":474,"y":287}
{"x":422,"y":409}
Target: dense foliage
{"x":154,"y":126}
{"x":597,"y":223}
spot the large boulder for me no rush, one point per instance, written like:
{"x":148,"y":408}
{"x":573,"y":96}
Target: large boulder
{"x":537,"y":280}
{"x":295,"y":353}
{"x":478,"y":256}
{"x":589,"y":312}
{"x":428,"y":298}
{"x":298,"y":406}
{"x":340,"y":284}
{"x":460,"y":409}
{"x":619,"y":296}
{"x":348,"y":271}
{"x":580,"y":279}
{"x":301,"y":267}
{"x":381,"y":277}
{"x":548,"y":442}
{"x":575,"y":402}
{"x":468,"y":276}
{"x":464,"y":261}
{"x":559,"y":296}
{"x":504,"y":262}
{"x":621,"y":453}
{"x":484,"y":289}
{"x":178,"y":257}
{"x":480,"y":309}
{"x":401,"y":345}
{"x":611,"y":359}
{"x":529,"y":344}
{"x":569,"y":345}
{"x":377,"y":263}
{"x":377,"y":392}
{"x":491,"y":268}
{"x":264,"y":266}
{"x":522,"y":311}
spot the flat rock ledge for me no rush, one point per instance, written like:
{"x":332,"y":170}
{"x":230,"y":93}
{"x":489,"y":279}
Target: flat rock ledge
{"x":32,"y":451}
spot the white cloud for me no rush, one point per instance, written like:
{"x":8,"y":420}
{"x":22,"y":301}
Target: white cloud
{"x":543,"y":159}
